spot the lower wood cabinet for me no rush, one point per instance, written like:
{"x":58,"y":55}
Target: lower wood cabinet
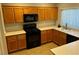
{"x":59,"y":38}
{"x":12,"y":43}
{"x":43,"y":37}
{"x":21,"y":41}
{"x":16,"y":42}
{"x":46,"y":36}
{"x":49,"y":35}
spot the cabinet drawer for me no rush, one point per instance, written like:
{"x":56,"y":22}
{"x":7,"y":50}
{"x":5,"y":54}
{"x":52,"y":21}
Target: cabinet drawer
{"x":22,"y":36}
{"x":11,"y":38}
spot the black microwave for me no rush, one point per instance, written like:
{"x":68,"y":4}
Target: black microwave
{"x":30,"y":17}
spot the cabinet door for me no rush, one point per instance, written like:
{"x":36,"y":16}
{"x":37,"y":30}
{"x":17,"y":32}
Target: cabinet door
{"x":49,"y":35}
{"x":54,"y":14}
{"x":22,"y":41}
{"x":47,"y":13}
{"x":44,"y":38}
{"x":8,"y":15}
{"x":53,"y":35}
{"x":41,"y":14}
{"x":62,"y":37}
{"x":18,"y":13}
{"x":12,"y":43}
{"x":30,"y":10}
{"x":59,"y":37}
{"x":56,"y":37}
{"x":51,"y":13}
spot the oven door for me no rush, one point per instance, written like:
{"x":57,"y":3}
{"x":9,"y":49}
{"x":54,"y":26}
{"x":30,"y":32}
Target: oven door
{"x":33,"y":40}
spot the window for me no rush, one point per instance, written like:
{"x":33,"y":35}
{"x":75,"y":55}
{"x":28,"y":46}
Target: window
{"x":70,"y":17}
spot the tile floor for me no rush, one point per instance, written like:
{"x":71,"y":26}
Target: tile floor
{"x":41,"y":50}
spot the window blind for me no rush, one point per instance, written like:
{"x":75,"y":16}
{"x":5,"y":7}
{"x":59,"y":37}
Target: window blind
{"x":70,"y":17}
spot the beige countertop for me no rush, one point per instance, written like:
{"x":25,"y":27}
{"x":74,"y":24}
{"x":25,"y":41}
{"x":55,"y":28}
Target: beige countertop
{"x":22,"y":31}
{"x":67,"y":31}
{"x":45,"y":28}
{"x":14,"y":33}
{"x":67,"y":49}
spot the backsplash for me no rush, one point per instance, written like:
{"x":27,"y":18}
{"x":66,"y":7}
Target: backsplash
{"x":16,"y":27}
{"x":46,"y":23}
{"x":13,"y":27}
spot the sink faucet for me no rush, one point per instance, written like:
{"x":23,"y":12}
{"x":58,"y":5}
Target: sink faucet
{"x":66,"y":26}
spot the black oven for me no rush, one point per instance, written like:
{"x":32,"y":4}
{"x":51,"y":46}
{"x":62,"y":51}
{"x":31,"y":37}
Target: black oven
{"x":33,"y":36}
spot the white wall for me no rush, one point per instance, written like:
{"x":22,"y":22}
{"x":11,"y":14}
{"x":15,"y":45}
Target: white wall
{"x":68,"y":5}
{"x":3,"y":46}
{"x":30,"y":4}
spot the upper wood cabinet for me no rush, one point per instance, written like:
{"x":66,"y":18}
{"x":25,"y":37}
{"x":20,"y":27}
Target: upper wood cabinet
{"x":15,"y":14}
{"x":51,"y":13}
{"x":18,"y":14}
{"x":41,"y":14}
{"x":30,"y":10}
{"x":8,"y":15}
{"x":47,"y":13}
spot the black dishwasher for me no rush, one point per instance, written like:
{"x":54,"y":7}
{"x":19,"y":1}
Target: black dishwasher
{"x":71,"y":38}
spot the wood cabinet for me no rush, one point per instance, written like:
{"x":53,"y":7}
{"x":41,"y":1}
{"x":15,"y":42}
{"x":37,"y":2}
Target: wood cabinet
{"x":49,"y":35}
{"x":18,"y":14}
{"x":21,"y":41}
{"x":59,"y":37}
{"x":12,"y":43}
{"x":54,"y":13}
{"x":15,"y":14}
{"x":16,"y":42}
{"x":30,"y":10}
{"x":8,"y":15}
{"x":46,"y":36}
{"x":41,"y":14}
{"x":51,"y":13}
{"x":48,"y":13}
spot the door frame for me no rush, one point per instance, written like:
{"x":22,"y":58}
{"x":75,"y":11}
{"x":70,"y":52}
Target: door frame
{"x":3,"y":44}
